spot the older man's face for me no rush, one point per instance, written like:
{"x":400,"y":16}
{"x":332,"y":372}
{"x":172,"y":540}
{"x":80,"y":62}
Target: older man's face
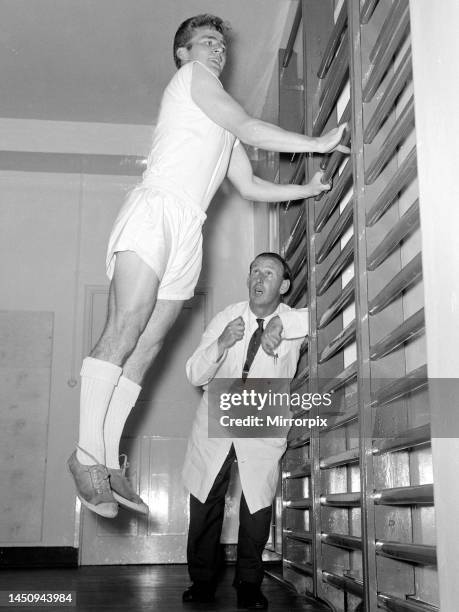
{"x":266,"y":282}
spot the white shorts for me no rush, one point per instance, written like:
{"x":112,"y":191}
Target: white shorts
{"x":166,"y":234}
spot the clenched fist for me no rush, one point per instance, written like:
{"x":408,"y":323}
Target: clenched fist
{"x":272,"y":336}
{"x":232,"y":333}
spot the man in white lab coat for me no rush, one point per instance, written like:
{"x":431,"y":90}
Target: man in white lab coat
{"x":224,"y":353}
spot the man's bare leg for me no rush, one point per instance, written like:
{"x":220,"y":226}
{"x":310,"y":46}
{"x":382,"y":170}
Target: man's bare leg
{"x":125,"y":396}
{"x":133,"y":292}
{"x":148,"y":346}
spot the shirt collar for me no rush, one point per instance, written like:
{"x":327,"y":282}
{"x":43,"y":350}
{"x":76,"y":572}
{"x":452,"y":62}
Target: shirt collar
{"x":252,"y":318}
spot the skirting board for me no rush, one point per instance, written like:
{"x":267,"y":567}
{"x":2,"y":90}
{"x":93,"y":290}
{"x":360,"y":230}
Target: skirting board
{"x":38,"y":556}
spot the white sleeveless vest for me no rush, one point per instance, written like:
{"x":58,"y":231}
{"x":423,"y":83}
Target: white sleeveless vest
{"x":190,"y":153}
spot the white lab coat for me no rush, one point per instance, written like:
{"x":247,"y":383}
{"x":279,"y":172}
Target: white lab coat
{"x":258,"y":458}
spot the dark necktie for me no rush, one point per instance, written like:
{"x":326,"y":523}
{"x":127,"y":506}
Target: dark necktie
{"x":254,"y":345}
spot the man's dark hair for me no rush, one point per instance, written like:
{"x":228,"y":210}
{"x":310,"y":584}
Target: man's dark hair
{"x":287,"y":273}
{"x":186,"y":30}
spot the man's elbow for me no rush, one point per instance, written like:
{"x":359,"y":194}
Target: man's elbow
{"x":248,"y":132}
{"x":190,"y":374}
{"x":249,"y":192}
{"x":194,"y":380}
{"x":195,"y":374}
{"x":246,"y":193}
{"x":243,"y":184}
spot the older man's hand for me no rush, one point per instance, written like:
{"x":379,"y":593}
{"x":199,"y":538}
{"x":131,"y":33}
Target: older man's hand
{"x":232,"y":333}
{"x":272,"y":336}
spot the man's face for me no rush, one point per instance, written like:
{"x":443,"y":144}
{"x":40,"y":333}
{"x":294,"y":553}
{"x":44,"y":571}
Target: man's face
{"x":208,"y":47}
{"x":266,"y":282}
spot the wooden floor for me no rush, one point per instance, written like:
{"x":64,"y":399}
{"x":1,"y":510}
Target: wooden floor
{"x":138,"y":588}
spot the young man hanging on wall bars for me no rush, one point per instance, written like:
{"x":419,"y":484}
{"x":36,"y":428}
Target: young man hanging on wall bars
{"x":154,"y":251}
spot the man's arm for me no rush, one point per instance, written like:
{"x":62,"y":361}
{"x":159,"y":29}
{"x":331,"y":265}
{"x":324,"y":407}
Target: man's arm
{"x":252,"y":187}
{"x":202,"y":366}
{"x":288,"y":325}
{"x":295,"y":323}
{"x":221,"y":108}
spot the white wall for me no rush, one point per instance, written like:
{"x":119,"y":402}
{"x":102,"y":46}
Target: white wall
{"x":435,"y":44}
{"x":54,"y":233}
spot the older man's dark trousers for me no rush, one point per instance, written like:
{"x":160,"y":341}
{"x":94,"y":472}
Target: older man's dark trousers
{"x":206,"y":519}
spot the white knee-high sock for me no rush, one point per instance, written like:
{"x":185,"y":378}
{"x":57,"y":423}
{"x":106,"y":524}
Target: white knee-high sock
{"x":98,"y":379}
{"x":123,"y":400}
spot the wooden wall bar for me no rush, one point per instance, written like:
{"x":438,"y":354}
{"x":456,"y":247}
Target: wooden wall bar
{"x":358,"y":503}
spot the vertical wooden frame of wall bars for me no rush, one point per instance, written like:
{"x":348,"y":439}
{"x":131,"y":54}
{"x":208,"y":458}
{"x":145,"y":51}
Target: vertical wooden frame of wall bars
{"x":369,"y":597}
{"x":300,"y":503}
{"x":296,"y":546}
{"x":294,"y":499}
{"x":317,"y":25}
{"x":336,"y":494}
{"x":292,"y":227}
